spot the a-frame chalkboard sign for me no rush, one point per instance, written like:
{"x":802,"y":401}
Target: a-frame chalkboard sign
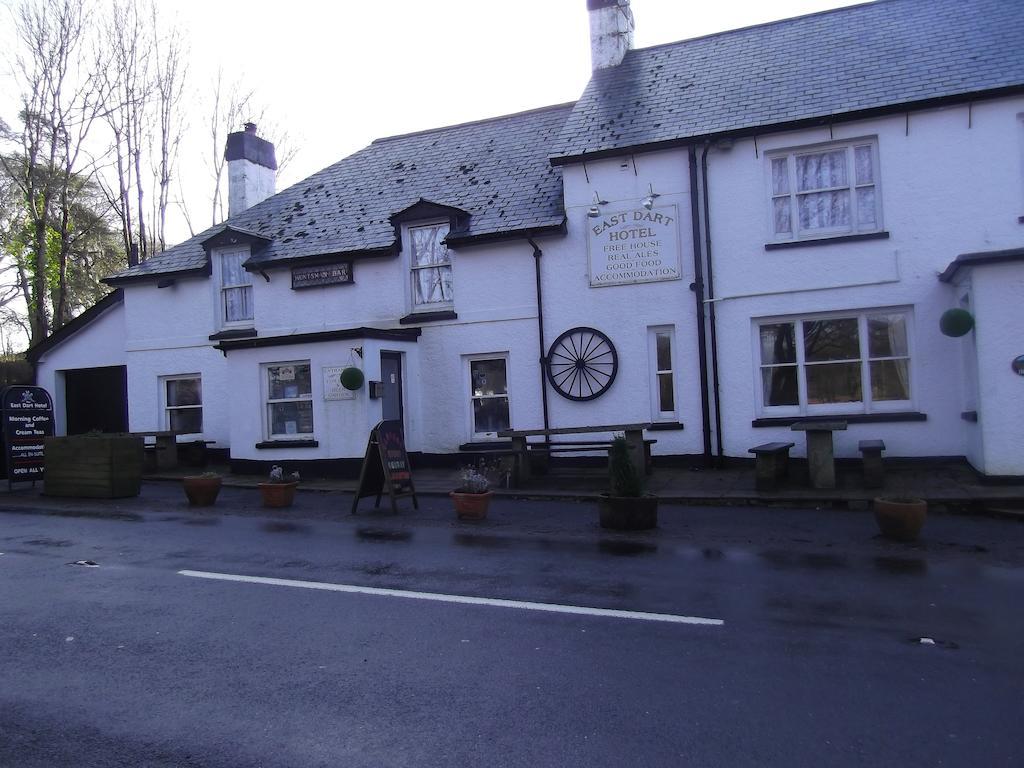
{"x":386,"y":467}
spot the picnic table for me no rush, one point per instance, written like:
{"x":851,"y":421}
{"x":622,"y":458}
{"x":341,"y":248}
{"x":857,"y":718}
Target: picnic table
{"x":634,"y":433}
{"x":165,"y":445}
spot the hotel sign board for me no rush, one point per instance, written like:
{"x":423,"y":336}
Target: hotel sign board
{"x":338,"y":273}
{"x":27,"y":422}
{"x":634,"y":246}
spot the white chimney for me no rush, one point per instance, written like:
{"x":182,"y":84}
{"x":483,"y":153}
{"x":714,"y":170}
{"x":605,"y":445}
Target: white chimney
{"x":252,"y":169}
{"x":611,"y":32}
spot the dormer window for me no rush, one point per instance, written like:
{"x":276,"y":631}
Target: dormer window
{"x":235,"y":288}
{"x":430,"y":268}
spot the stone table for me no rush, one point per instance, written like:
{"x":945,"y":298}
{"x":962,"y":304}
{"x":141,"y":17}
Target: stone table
{"x":821,"y":464}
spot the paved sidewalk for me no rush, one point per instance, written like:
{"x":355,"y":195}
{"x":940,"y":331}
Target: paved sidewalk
{"x":815,"y":535}
{"x":950,"y":485}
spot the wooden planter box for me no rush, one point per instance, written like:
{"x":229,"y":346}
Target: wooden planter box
{"x":93,"y":466}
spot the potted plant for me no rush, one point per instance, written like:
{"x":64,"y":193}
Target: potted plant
{"x":202,"y":490}
{"x":626,"y":507}
{"x":279,"y":490}
{"x":473,"y":496}
{"x":900,"y":519}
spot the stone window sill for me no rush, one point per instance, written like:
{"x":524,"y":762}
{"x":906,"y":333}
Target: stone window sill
{"x":665,"y":426}
{"x":853,"y":418}
{"x":826,"y":241}
{"x":428,"y":317}
{"x":278,"y":444}
{"x":234,"y":333}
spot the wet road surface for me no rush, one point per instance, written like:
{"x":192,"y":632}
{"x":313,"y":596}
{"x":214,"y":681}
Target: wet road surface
{"x":818,"y":661}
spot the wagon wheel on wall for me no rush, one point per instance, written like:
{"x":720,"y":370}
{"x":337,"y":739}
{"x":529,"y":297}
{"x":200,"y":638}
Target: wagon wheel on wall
{"x":582,"y":364}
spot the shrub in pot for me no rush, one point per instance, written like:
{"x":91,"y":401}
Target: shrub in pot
{"x":627,"y":507}
{"x":900,"y":519}
{"x":473,"y":496}
{"x":202,"y":490}
{"x":279,"y":490}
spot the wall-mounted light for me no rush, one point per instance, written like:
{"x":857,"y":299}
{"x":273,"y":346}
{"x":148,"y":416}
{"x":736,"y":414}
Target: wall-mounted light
{"x":649,"y":200}
{"x":594,"y":211}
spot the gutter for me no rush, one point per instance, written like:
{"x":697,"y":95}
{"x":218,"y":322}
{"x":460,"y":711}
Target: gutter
{"x":698,"y":291}
{"x":537,"y":253}
{"x":711,"y":305}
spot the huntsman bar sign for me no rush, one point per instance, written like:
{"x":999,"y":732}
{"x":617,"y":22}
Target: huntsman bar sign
{"x":636,"y":246}
{"x":326,"y":274}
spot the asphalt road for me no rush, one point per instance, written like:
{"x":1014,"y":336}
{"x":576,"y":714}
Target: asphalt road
{"x":817,"y":662}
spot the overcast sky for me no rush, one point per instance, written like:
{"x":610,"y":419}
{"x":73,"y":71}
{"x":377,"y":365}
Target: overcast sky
{"x":339,"y":74}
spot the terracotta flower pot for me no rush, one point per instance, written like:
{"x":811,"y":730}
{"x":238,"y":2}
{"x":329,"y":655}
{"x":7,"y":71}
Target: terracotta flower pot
{"x":278,"y":494}
{"x":900,"y":519}
{"x":471,"y":506}
{"x":201,"y":490}
{"x":628,"y":513}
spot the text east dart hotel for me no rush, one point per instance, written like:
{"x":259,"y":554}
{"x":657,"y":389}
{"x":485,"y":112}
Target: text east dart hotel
{"x":763,"y":226}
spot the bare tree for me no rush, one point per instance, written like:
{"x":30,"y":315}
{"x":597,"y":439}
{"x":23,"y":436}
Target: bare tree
{"x":229,"y":102}
{"x":231,"y":107}
{"x":127,"y":39}
{"x":171,"y":70}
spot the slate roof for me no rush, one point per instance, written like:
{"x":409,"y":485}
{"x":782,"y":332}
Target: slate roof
{"x":495,"y":169}
{"x":840,"y":62}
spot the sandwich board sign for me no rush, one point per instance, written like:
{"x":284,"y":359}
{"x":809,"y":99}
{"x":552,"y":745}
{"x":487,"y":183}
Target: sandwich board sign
{"x":386,"y":467}
{"x":27,"y":414}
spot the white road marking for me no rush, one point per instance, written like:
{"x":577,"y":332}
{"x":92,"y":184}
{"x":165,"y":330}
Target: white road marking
{"x":464,"y":599}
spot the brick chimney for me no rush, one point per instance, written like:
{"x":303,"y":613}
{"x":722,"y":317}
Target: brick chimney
{"x":611,"y":32}
{"x":252,"y":169}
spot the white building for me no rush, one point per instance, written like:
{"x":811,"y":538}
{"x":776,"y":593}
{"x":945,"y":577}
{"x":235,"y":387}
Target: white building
{"x":766,"y":225}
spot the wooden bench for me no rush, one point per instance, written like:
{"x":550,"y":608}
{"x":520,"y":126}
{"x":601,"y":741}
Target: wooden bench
{"x":771,"y":464}
{"x":871,"y":454}
{"x":586,"y":446}
{"x":635,"y":444}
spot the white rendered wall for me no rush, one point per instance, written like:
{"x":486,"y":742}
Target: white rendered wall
{"x":340,"y":427}
{"x":625,"y":312}
{"x":167,"y":333}
{"x":946,"y":189}
{"x":100,"y":344}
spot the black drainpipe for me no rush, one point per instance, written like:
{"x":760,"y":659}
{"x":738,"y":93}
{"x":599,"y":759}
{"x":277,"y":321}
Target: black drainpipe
{"x":711,"y":303}
{"x":537,"y":253}
{"x":698,"y":292}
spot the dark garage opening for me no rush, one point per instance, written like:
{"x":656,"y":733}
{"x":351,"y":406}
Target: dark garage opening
{"x":96,"y":399}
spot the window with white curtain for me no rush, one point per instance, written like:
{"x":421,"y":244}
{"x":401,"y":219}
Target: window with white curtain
{"x":235,"y":288}
{"x":841,"y":363}
{"x":430,"y":268}
{"x":825,"y":191}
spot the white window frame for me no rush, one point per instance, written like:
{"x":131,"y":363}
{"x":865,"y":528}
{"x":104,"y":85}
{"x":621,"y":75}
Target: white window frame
{"x":867,"y":404}
{"x":166,"y":409}
{"x":855,"y":228}
{"x":435,"y":306}
{"x":222,"y":289}
{"x":657,"y":414}
{"x":469,"y":398}
{"x":268,"y":420}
